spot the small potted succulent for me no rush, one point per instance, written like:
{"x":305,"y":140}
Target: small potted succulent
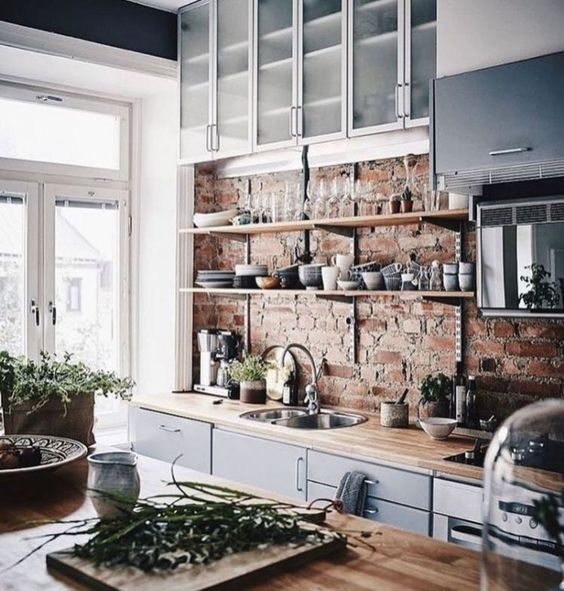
{"x":54,"y":396}
{"x":395,"y":201}
{"x":250,"y":373}
{"x":407,"y":200}
{"x":542,"y":293}
{"x":435,"y":393}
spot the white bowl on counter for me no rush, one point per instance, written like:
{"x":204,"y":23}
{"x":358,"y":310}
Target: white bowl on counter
{"x":437,"y":427}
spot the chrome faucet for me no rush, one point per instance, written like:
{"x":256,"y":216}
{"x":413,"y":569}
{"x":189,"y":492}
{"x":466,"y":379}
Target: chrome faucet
{"x":312,"y":396}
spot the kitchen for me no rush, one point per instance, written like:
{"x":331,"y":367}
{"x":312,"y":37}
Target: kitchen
{"x":323,"y":221}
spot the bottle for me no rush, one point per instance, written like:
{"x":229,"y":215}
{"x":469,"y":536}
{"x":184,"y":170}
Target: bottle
{"x":290,"y":391}
{"x":471,"y":410}
{"x":460,"y":400}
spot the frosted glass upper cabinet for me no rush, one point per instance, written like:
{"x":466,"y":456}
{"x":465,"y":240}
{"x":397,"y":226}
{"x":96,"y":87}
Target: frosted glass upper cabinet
{"x":276,"y":73}
{"x":195,"y":81}
{"x":321,"y":107}
{"x":420,"y":59}
{"x":231,"y":126}
{"x":376,"y":72}
{"x":215,"y":79}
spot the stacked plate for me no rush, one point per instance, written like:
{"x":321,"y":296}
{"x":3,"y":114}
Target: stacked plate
{"x":251,"y":270}
{"x":210,"y":279}
{"x":219,"y":218}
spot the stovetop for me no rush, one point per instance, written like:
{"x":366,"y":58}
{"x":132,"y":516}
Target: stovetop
{"x":538,"y":452}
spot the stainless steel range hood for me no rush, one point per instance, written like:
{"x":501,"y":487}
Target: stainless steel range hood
{"x":499,"y":125}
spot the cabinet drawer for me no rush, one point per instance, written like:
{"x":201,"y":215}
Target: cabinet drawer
{"x":456,"y":499}
{"x":414,"y":520}
{"x":388,"y":484}
{"x":272,"y":466}
{"x":165,"y":437}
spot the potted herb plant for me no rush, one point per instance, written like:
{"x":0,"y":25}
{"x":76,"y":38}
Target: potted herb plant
{"x":54,"y":397}
{"x":250,"y":373}
{"x":406,"y":200}
{"x":435,"y":394}
{"x":395,"y":201}
{"x":542,"y":293}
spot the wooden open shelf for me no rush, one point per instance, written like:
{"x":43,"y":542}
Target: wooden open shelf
{"x":227,"y":291}
{"x":447,"y":218}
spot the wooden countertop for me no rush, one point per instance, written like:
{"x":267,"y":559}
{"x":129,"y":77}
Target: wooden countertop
{"x":398,"y":560}
{"x":410,"y":447}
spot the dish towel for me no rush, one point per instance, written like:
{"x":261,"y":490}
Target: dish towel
{"x":352,"y":493}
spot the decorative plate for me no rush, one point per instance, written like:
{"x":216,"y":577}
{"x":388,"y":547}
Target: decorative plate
{"x":55,"y":452}
{"x":276,"y":377}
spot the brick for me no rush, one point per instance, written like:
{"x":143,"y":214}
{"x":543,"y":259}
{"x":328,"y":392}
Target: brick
{"x":339,"y":371}
{"x":412,"y":326}
{"x":503,"y":328}
{"x":380,"y":356}
{"x":542,"y":330}
{"x":529,"y":349}
{"x":487,"y":347}
{"x":546,"y":368}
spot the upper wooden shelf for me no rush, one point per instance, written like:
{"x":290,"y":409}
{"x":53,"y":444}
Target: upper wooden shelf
{"x":447,"y":218}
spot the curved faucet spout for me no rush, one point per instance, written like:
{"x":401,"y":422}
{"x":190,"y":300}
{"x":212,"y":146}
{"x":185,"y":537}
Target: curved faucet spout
{"x":312,"y":396}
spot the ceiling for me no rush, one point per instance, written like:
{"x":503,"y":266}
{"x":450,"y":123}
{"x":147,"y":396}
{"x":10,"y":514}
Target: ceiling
{"x":170,"y":5}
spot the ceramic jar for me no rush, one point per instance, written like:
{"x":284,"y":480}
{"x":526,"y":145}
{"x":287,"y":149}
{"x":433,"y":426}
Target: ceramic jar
{"x":394,"y":415}
{"x":253,"y":392}
{"x":113,"y":473}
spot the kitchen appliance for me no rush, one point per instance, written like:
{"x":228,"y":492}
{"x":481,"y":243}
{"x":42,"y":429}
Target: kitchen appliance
{"x":218,"y":349}
{"x":513,"y":235}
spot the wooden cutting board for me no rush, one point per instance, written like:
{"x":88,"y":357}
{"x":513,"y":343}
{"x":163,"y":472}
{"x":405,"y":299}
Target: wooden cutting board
{"x":230,"y":572}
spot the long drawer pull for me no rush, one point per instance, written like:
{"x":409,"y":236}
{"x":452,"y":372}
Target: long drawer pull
{"x":371,"y":511}
{"x":299,"y":461}
{"x":366,"y":481}
{"x":169,"y":429}
{"x":508,"y":151}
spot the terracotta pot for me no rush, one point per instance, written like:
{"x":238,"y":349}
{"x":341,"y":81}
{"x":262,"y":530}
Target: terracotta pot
{"x":406,"y":206}
{"x":432,"y":409}
{"x":50,"y":419}
{"x":253,"y":392}
{"x":394,"y":206}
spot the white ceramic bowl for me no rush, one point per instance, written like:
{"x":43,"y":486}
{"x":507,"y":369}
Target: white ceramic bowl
{"x":374,"y":280}
{"x":219,"y":218}
{"x":348,"y":285}
{"x":438,"y":427}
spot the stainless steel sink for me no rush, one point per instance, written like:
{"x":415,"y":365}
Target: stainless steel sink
{"x":269,"y":415}
{"x":298,"y":418}
{"x":323,"y":420}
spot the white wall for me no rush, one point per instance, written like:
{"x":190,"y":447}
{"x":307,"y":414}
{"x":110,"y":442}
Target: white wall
{"x":474,"y":34}
{"x":157,"y":244}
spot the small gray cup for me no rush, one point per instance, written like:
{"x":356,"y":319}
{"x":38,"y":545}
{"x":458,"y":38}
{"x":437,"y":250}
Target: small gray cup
{"x":394,"y":415}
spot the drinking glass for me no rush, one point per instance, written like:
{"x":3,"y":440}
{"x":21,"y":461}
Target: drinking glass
{"x":430,"y":199}
{"x":276,"y":208}
{"x":264,"y":214}
{"x":346,"y":206}
{"x":255,"y":207}
{"x":320,"y":203}
{"x":333,"y":202}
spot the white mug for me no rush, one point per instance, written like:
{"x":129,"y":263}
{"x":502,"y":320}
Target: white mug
{"x":329,"y":275}
{"x":344,"y":262}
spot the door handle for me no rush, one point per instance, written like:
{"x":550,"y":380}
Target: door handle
{"x":466,"y":534}
{"x":53,"y":312}
{"x":405,"y":102}
{"x":299,"y":121}
{"x":396,"y":97}
{"x":34,"y":309}
{"x":291,"y":122}
{"x":509,"y":151}
{"x":169,"y":429}
{"x":371,"y":511}
{"x":214,"y":133}
{"x":299,"y":462}
{"x":366,"y":481}
{"x":208,"y":149}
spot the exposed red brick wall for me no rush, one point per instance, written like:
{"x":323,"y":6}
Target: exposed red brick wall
{"x":399,"y":342}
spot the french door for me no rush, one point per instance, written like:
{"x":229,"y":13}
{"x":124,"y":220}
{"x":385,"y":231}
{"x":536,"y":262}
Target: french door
{"x":64,"y":272}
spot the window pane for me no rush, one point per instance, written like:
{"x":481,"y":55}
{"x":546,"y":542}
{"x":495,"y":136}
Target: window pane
{"x":60,"y":135}
{"x":12,"y":274}
{"x":86,"y":282}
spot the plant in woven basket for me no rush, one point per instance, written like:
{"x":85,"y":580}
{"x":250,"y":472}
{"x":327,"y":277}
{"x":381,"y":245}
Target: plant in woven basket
{"x":54,"y":396}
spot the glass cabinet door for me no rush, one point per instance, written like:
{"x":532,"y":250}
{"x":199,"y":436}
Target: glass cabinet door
{"x":323,"y":59}
{"x":421,"y":48}
{"x":195,"y":82}
{"x":275,"y":57}
{"x":376,"y":49}
{"x":232,"y":132}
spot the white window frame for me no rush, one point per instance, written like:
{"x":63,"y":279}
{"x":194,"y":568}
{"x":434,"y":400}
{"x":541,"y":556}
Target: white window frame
{"x":71,"y":101}
{"x":52,"y":192}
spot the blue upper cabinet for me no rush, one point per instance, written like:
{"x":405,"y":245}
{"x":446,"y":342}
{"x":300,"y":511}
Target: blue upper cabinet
{"x":500,"y":117}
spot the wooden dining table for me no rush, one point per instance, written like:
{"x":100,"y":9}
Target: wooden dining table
{"x":387,"y":559}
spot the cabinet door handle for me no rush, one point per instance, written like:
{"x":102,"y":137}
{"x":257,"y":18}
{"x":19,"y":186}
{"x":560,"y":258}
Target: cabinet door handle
{"x":34,"y":309}
{"x":371,"y":511}
{"x":396,"y":97}
{"x":366,"y":481}
{"x":169,"y":429}
{"x":299,"y":462}
{"x":214,"y":133}
{"x":299,"y":122}
{"x":404,"y":102}
{"x":208,"y":127}
{"x":466,"y":534}
{"x":509,"y":151}
{"x":292,"y":122}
